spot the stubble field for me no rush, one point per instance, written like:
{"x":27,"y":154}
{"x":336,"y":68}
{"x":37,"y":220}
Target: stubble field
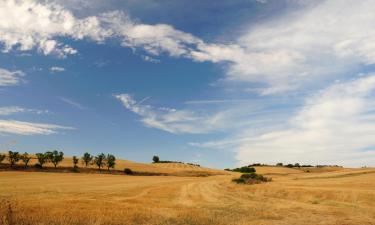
{"x":323,"y":196}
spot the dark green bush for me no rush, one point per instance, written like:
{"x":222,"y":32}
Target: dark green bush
{"x":239,"y":180}
{"x":128,"y":171}
{"x":245,"y":169}
{"x":251,"y":178}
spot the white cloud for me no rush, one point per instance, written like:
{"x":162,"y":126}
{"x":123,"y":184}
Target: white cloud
{"x":320,"y":41}
{"x":57,"y":69}
{"x":284,"y":53}
{"x":335,"y":126}
{"x":10,"y":78}
{"x":181,"y":121}
{"x":10,"y":110}
{"x":26,"y":128}
{"x":73,"y":103}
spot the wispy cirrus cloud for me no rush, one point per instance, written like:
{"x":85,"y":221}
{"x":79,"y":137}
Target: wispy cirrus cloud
{"x":10,"y":110}
{"x":72,"y":103}
{"x":182,"y":120}
{"x":10,"y":78}
{"x":27,"y":128}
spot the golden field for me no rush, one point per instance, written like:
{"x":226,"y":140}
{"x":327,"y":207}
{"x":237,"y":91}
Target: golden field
{"x":334,"y":196}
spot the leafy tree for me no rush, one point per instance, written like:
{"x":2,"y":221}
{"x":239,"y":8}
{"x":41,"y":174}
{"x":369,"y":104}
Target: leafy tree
{"x":42,"y":158}
{"x":279,"y":164}
{"x":155,"y":159}
{"x":87,"y":158}
{"x":75,"y":162}
{"x":297,"y":165}
{"x":14,"y":157}
{"x":99,"y":160}
{"x":55,"y":157}
{"x":25,"y":159}
{"x":2,"y":157}
{"x":110,"y":161}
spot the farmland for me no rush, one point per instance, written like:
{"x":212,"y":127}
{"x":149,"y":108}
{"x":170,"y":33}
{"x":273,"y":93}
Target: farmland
{"x":323,"y":196}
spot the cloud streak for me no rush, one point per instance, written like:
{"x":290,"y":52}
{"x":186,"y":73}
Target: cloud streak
{"x":27,"y":128}
{"x":10,"y":78}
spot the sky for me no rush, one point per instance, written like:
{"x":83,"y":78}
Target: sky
{"x":222,"y":84}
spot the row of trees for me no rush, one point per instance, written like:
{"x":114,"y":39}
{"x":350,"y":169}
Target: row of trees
{"x":55,"y":157}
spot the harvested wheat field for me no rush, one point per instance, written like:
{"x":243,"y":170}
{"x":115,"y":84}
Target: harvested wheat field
{"x":340,"y":197}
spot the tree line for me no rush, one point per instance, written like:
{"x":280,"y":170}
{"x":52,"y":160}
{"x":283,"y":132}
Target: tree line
{"x":56,"y":157}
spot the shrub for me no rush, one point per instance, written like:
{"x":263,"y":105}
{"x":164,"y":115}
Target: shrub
{"x":128,"y":171}
{"x":239,"y":180}
{"x":245,"y":169}
{"x":251,"y":178}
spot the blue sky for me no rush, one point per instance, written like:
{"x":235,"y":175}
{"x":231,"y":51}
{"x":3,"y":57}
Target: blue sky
{"x":223,"y":84}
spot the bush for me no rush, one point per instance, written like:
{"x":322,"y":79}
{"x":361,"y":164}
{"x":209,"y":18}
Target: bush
{"x":251,"y":178}
{"x":245,"y":169}
{"x":239,"y":180}
{"x":128,"y":171}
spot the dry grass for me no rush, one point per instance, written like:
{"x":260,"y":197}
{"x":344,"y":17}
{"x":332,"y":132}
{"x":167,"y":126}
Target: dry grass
{"x":175,"y":169}
{"x":343,"y":197}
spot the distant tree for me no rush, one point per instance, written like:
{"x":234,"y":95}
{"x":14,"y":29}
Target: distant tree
{"x":25,"y":159}
{"x":155,"y":159}
{"x":99,"y":160}
{"x":290,"y":165}
{"x":279,"y":164}
{"x":87,"y":158}
{"x":2,"y":157}
{"x":42,"y":158}
{"x":13,"y":157}
{"x":55,"y":157}
{"x":75,"y":162}
{"x":297,"y":165}
{"x":110,"y":161}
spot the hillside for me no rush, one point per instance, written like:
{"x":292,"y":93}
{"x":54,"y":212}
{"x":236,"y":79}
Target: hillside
{"x":175,"y":169}
{"x":345,"y":196}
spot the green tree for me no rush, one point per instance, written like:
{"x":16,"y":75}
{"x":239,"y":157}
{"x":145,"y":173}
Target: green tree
{"x":75,"y":161}
{"x":55,"y":157}
{"x":2,"y":157}
{"x":110,"y":161}
{"x":25,"y":159}
{"x":155,"y":159}
{"x":42,"y":158}
{"x":87,"y":158}
{"x":13,"y":157}
{"x":99,"y":160}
